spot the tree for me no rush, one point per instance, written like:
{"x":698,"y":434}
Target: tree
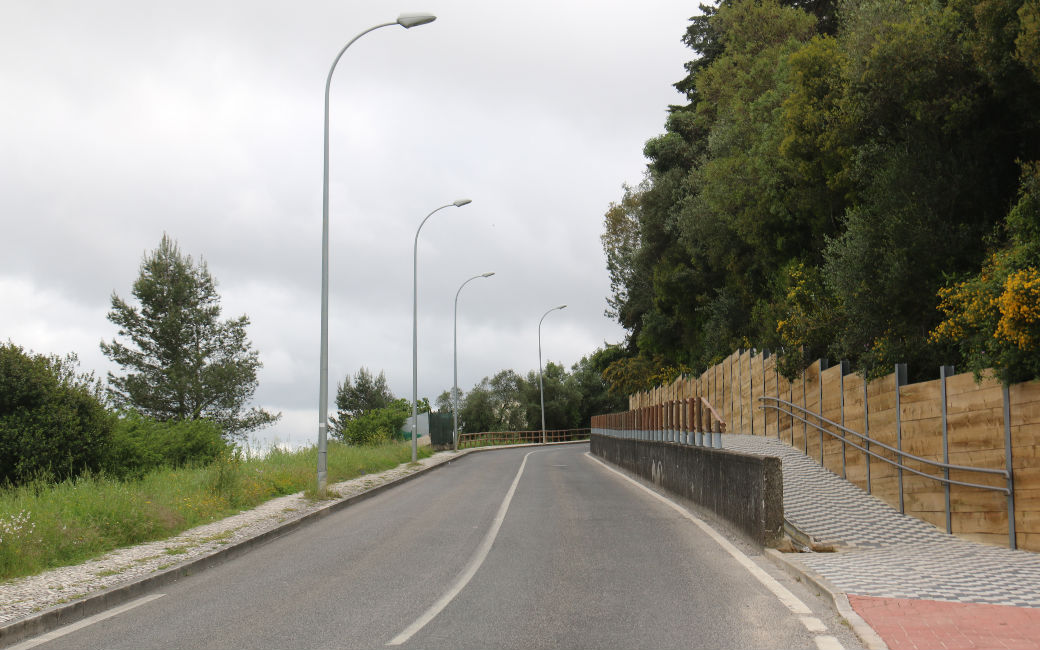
{"x":495,"y":404}
{"x":53,"y":423}
{"x":181,"y":361}
{"x":376,"y":426}
{"x":562,"y":399}
{"x":357,"y":397}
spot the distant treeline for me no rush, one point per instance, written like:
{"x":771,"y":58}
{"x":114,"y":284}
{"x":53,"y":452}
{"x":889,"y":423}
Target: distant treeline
{"x":850,"y":180}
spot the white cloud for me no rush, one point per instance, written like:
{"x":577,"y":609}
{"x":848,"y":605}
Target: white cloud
{"x":122,"y":121}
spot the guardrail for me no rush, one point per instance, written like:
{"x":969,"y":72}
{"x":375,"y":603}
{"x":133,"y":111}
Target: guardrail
{"x":821,"y":424}
{"x":488,"y":438}
{"x":690,"y":421}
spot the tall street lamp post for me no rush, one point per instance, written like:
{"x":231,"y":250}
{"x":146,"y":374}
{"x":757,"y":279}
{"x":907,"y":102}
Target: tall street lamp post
{"x":415,"y":325}
{"x":455,"y":361}
{"x":541,"y":389}
{"x":407,"y":21}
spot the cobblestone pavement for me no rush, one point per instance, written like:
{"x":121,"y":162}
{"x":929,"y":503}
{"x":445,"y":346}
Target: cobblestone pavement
{"x":916,"y":586}
{"x":887,"y":554}
{"x":26,"y":596}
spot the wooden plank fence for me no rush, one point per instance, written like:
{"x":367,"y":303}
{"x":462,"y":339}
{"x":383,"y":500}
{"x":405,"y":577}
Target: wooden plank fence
{"x":952,"y":420}
{"x":487,"y":438}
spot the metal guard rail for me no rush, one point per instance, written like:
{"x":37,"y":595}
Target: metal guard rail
{"x":1007,"y":491}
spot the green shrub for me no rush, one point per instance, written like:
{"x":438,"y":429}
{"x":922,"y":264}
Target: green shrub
{"x":52,"y":420}
{"x":140,"y":444}
{"x":376,"y":426}
{"x":45,"y":525}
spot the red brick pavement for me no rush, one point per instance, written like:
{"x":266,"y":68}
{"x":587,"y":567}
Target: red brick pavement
{"x":912,"y":624}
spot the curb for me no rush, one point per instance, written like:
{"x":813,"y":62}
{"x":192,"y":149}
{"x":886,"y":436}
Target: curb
{"x":871,"y":639}
{"x":61,"y":615}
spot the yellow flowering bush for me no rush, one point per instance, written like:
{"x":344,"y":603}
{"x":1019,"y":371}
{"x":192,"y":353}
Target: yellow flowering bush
{"x":994,"y":319}
{"x":1019,"y":306}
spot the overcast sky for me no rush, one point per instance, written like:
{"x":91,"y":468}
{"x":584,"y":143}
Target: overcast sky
{"x":122,"y":120}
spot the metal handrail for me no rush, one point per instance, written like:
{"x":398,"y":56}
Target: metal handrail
{"x":902,"y":454}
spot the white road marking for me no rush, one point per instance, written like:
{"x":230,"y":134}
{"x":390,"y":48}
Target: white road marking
{"x":96,"y":618}
{"x":828,"y":643}
{"x":789,"y":600}
{"x":813,"y":624}
{"x":471,"y":568}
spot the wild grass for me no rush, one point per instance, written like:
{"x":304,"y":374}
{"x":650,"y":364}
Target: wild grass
{"x":46,"y":525}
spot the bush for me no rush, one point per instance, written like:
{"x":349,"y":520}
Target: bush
{"x":52,"y":421}
{"x":140,"y":444}
{"x":376,"y":426}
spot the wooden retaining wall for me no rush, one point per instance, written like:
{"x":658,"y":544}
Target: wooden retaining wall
{"x":907,"y":417}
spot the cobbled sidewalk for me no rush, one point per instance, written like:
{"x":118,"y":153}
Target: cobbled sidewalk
{"x":907,"y":574}
{"x":25,"y":596}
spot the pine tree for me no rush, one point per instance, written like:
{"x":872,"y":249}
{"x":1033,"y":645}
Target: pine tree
{"x":355,"y":398}
{"x":182,"y":361}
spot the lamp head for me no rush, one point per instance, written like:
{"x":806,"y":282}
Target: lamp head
{"x":487,"y":275}
{"x":461,"y":202}
{"x":412,"y":20}
{"x":561,"y":307}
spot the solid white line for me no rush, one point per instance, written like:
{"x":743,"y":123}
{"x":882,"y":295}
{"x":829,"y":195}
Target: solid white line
{"x":471,"y":568}
{"x":96,"y":618}
{"x":789,"y":600}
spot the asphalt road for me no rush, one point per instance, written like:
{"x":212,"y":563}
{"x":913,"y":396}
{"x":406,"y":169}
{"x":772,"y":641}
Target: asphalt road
{"x":567,"y":554}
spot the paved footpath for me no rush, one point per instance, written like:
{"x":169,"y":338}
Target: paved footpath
{"x":915,"y":585}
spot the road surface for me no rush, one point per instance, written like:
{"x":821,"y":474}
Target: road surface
{"x":534,"y":547}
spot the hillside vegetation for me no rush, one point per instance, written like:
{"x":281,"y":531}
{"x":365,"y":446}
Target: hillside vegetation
{"x":852,"y":180}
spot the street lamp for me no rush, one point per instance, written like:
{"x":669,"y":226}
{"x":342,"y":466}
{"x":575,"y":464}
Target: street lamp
{"x":415,"y":324}
{"x":541,"y":390}
{"x":455,"y":362}
{"x":407,"y":21}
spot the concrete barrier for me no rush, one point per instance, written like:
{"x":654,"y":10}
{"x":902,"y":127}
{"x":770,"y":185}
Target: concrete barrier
{"x":745,"y":489}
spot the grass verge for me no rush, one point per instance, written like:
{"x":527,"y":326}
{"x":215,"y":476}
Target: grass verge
{"x":43,"y":525}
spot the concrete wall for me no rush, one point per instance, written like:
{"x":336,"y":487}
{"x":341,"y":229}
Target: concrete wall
{"x":745,"y":489}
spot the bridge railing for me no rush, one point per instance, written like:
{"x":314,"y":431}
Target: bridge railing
{"x":690,"y":421}
{"x":488,"y":438}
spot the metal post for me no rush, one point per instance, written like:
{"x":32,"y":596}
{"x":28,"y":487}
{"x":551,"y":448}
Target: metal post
{"x":740,"y":390}
{"x":1012,"y":536}
{"x":866,"y":430}
{"x":900,"y":376}
{"x":455,"y":362}
{"x":944,"y":372}
{"x":805,"y":424}
{"x":751,"y":388}
{"x":406,"y":21}
{"x":765,"y":411}
{"x":844,"y":371}
{"x":823,"y":366}
{"x":541,"y":388}
{"x":790,"y":390}
{"x":776,"y":372}
{"x":415,"y":324}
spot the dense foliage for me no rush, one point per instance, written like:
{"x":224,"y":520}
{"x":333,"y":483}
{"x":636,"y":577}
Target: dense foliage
{"x":53,"y":423}
{"x":511,"y":402}
{"x":851,"y":180}
{"x":355,"y":397}
{"x":182,"y":362}
{"x":139,"y":445}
